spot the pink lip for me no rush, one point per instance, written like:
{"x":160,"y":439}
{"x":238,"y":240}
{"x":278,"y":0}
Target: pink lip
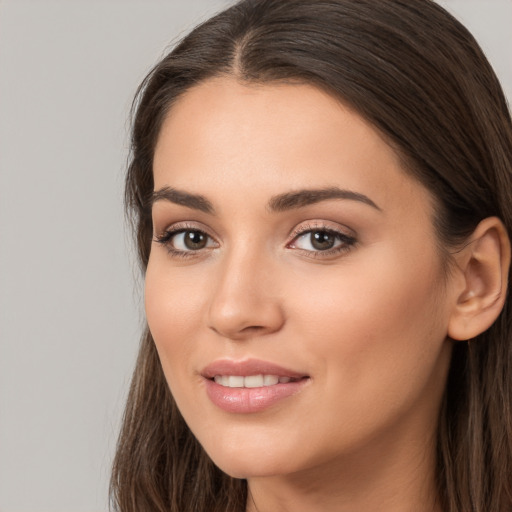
{"x":250,"y":400}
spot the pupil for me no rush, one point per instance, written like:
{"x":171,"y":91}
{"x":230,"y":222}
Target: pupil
{"x":195,"y":240}
{"x":322,"y":240}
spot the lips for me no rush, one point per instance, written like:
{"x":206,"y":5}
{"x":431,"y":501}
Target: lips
{"x":250,"y":386}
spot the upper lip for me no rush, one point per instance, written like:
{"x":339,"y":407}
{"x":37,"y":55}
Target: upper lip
{"x":247,"y":367}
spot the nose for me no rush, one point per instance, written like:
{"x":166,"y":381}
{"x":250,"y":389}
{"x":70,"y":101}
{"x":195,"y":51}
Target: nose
{"x":245,"y":302}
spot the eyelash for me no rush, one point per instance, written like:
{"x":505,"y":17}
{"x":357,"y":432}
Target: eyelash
{"x":346,"y":241}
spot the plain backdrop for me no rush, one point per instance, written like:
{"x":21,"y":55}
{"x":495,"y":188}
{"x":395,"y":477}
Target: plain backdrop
{"x":70,"y":303}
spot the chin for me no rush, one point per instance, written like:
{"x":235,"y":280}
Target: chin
{"x":249,"y":469}
{"x":243,"y":462}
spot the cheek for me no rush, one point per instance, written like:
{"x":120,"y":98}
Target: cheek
{"x":375,"y":327}
{"x":172,"y":305}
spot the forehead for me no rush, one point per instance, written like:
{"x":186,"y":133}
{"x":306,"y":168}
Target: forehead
{"x":221,"y":111}
{"x":271,"y":137}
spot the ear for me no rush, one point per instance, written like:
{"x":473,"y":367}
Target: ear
{"x":483,"y":265}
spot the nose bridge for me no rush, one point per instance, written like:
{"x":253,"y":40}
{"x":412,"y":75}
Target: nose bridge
{"x":245,"y":302}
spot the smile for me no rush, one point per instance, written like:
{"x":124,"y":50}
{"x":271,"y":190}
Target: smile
{"x":252,"y":385}
{"x":250,"y":381}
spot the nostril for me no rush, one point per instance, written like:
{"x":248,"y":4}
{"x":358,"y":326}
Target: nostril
{"x":242,"y":333}
{"x":253,"y":328}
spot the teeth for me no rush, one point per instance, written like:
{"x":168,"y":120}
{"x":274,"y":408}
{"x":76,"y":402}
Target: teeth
{"x":251,"y":381}
{"x":270,"y":380}
{"x":235,"y":382}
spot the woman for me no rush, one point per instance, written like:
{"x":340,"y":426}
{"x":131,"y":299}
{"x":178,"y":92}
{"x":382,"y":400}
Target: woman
{"x":321,"y":197}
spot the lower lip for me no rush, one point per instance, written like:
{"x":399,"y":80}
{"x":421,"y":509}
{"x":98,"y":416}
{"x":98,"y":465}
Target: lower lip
{"x":249,"y":400}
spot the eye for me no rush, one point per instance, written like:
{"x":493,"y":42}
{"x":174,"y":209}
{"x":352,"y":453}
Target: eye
{"x":183,"y":242}
{"x":317,"y":241}
{"x":190,"y":240}
{"x":322,"y":240}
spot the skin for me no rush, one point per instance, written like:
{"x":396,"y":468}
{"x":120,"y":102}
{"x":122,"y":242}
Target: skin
{"x":367,"y":324}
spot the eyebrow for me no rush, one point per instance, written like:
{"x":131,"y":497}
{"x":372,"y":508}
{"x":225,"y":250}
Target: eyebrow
{"x":306,"y":197}
{"x":278,"y":203}
{"x":194,"y":201}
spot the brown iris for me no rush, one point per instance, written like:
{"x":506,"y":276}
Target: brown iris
{"x":195,"y":240}
{"x":323,"y":240}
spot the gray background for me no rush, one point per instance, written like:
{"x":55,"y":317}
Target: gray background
{"x":70,"y":306}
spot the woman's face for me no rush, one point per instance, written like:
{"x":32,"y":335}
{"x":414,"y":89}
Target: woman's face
{"x":294,"y":290}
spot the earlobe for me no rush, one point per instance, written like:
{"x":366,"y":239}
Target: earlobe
{"x":484,"y":264}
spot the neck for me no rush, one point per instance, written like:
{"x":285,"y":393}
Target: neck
{"x":394,"y":478}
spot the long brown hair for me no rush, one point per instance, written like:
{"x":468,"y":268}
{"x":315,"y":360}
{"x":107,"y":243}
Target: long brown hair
{"x":420,"y":78}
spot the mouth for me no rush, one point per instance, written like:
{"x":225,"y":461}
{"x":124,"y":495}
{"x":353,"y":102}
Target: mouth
{"x":250,"y":386}
{"x":252,"y":381}
{"x":249,"y":373}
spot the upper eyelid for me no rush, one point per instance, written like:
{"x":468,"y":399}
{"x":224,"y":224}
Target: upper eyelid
{"x":176,"y":227}
{"x":318,"y":225}
{"x":301,"y":227}
{"x":344,"y":237}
